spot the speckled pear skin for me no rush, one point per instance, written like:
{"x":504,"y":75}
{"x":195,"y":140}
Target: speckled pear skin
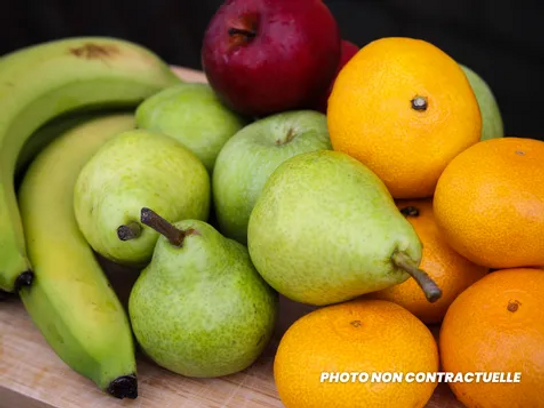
{"x":202,"y":310}
{"x":136,"y":169}
{"x":324,"y":229}
{"x":193,"y":114}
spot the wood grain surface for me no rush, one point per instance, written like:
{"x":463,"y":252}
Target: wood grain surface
{"x":32,"y":376}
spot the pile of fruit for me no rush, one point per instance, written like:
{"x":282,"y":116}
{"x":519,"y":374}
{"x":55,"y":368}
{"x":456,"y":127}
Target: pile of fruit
{"x":375,"y":184}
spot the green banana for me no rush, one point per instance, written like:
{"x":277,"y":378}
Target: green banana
{"x":45,"y":135}
{"x":49,"y":132}
{"x":47,"y":80}
{"x":70,"y":299}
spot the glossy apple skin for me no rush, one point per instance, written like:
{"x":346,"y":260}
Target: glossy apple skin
{"x":290,"y":61}
{"x":348,"y":50}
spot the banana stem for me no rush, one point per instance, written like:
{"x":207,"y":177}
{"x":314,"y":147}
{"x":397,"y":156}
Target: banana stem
{"x":429,"y":287}
{"x":130,"y":231}
{"x":163,"y":227}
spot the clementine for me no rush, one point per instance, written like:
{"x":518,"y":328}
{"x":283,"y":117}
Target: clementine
{"x":489,"y":203}
{"x":452,"y":272}
{"x":497,"y":326}
{"x":360,"y":336}
{"x":405,"y":109}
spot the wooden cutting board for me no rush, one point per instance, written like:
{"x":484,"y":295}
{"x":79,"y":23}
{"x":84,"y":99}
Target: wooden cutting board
{"x":32,"y":376}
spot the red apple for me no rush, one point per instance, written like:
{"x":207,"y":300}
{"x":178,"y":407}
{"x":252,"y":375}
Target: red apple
{"x":268,"y":56}
{"x":348,"y":51}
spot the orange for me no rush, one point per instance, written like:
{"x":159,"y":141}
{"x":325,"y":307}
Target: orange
{"x":451,"y":272}
{"x":405,"y":109}
{"x":360,"y":336}
{"x":489,"y":203}
{"x":497,"y":325}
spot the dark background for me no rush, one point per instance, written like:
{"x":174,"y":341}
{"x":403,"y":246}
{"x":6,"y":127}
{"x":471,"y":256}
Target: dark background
{"x":503,"y":41}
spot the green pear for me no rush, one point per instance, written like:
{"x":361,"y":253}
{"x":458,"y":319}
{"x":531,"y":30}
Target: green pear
{"x":249,"y":158}
{"x":492,"y":125}
{"x":200,"y":309}
{"x":325,"y":229}
{"x":192,"y":114}
{"x":135,"y":169}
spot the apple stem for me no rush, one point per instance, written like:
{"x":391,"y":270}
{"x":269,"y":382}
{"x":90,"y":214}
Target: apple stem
{"x":249,"y":34}
{"x":163,"y":227}
{"x":427,"y":284}
{"x":132,"y":230}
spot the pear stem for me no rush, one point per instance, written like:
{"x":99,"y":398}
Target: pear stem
{"x":163,"y":227}
{"x":132,"y":230}
{"x":429,"y":287}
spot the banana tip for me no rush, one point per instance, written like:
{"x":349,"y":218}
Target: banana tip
{"x":23,"y":280}
{"x":124,"y":387}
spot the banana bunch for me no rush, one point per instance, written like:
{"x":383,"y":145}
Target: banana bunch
{"x":62,"y":100}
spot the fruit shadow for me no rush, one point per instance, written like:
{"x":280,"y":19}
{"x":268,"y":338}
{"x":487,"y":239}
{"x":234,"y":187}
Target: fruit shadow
{"x":7,"y":297}
{"x":122,"y":278}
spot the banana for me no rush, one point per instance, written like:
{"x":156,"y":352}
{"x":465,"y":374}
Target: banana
{"x":47,"y":80}
{"x":50,"y":131}
{"x":70,"y":299}
{"x":45,"y":135}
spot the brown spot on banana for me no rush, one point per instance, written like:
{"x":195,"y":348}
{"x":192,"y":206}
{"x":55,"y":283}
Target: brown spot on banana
{"x":95,"y":51}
